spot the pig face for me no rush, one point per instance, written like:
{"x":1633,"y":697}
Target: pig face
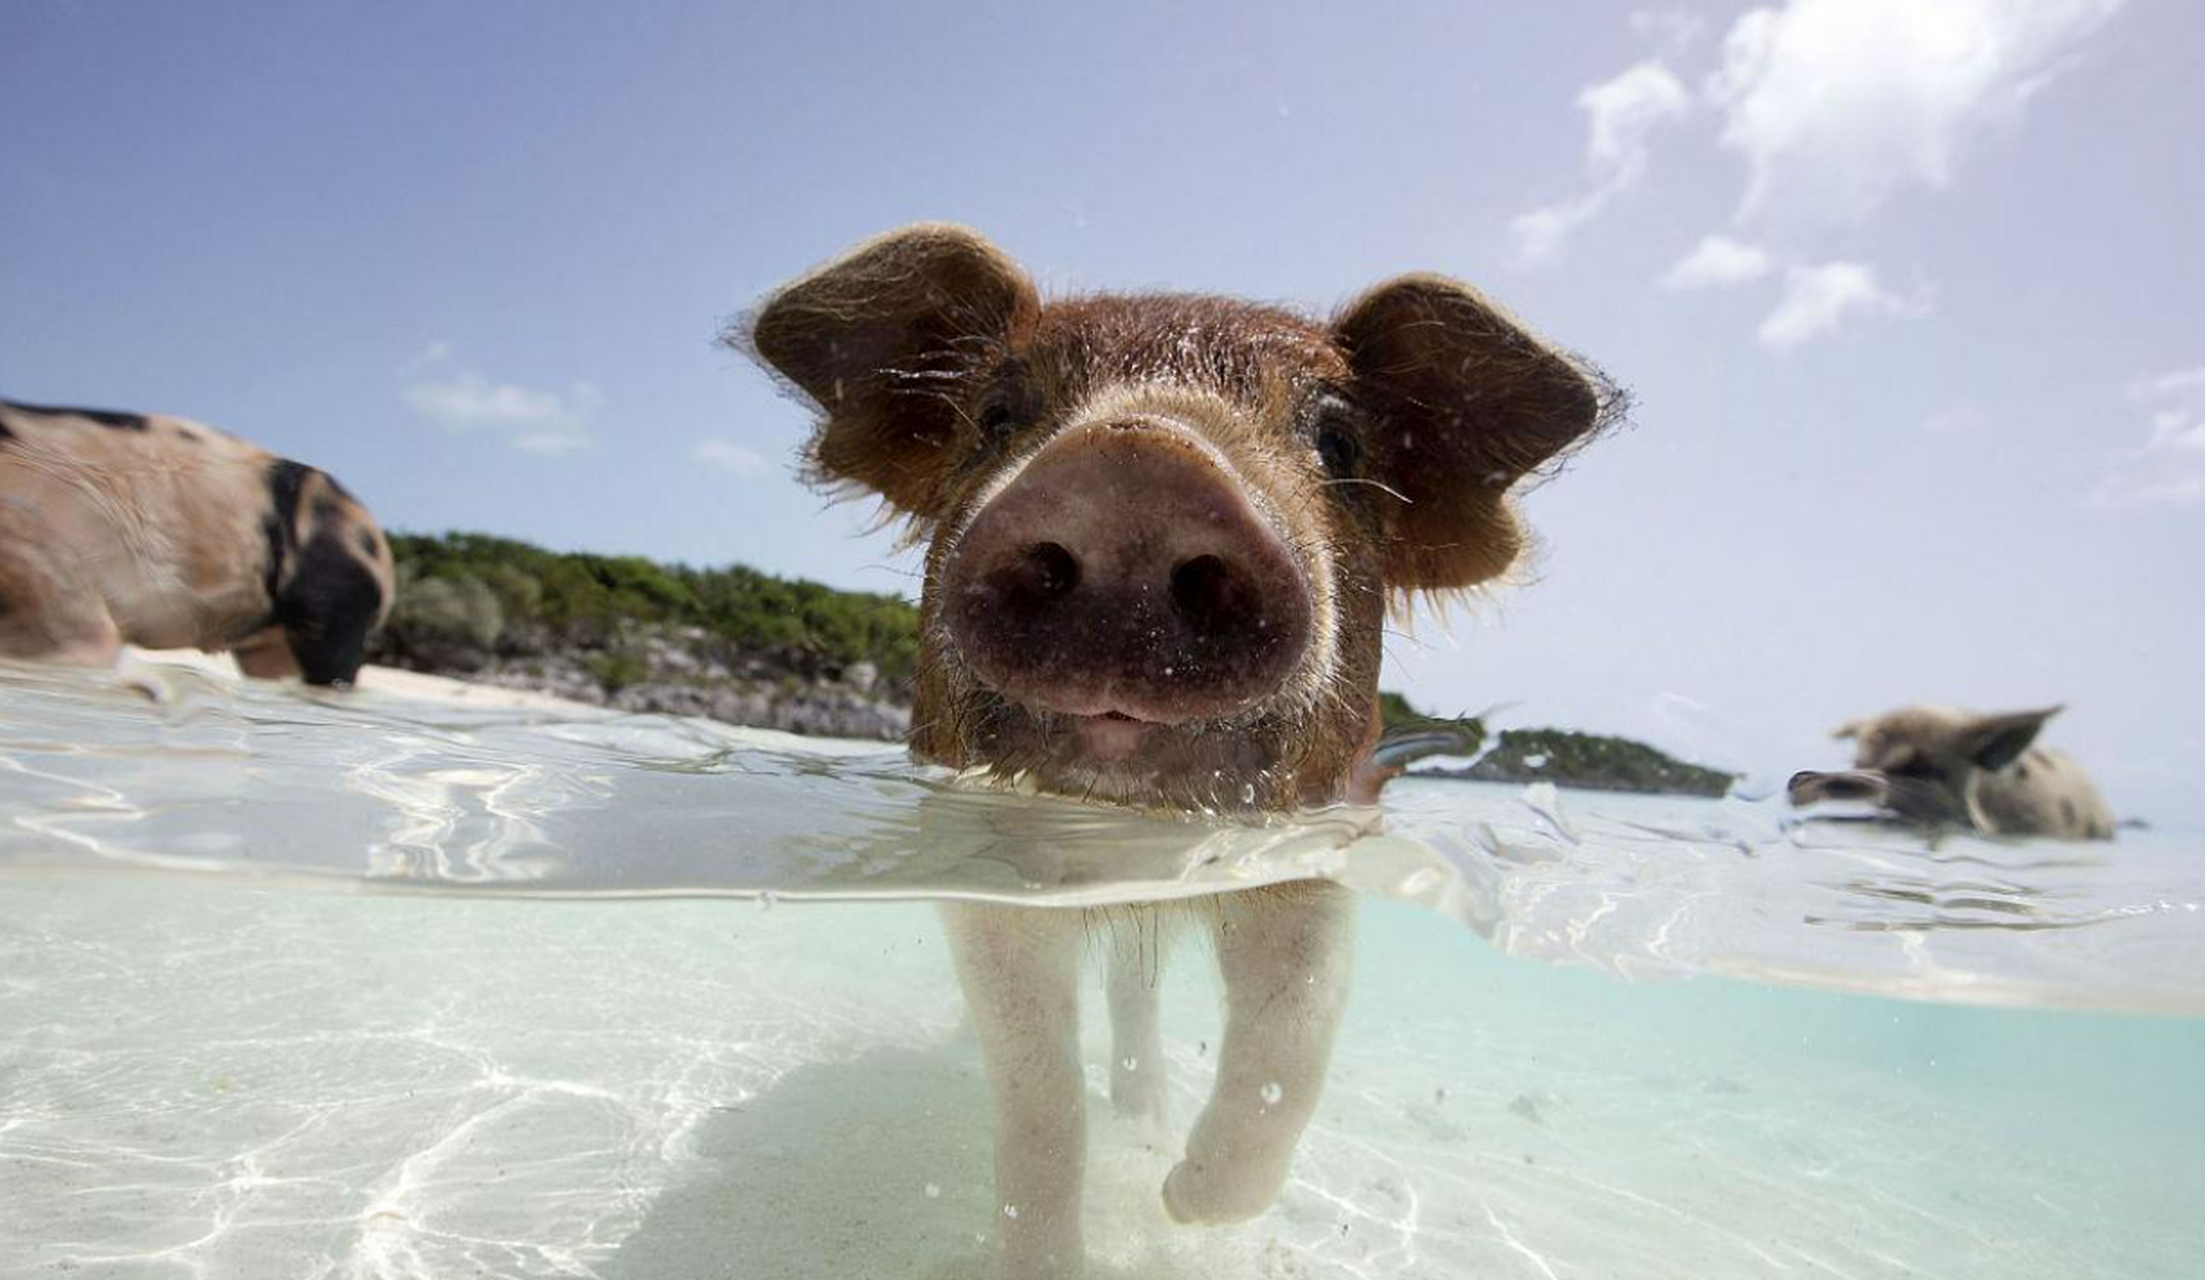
{"x":1162,"y":529}
{"x":330,"y":580}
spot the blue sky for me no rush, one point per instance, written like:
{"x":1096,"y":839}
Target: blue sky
{"x":1908,"y":292}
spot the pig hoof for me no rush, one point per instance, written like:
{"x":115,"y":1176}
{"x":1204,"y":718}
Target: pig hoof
{"x":1139,"y":1098}
{"x":1208,"y":1195}
{"x":1150,"y":1128}
{"x":1067,"y":1265}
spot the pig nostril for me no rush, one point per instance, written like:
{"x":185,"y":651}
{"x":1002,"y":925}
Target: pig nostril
{"x":1207,"y":592}
{"x":1054,"y":571}
{"x":1045,"y":572}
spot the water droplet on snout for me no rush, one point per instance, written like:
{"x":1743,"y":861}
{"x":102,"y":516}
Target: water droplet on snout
{"x":1247,"y":793}
{"x":1272,"y":1093}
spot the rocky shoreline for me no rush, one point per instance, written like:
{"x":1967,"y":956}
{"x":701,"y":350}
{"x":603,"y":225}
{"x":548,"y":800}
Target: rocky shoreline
{"x":680,"y":671}
{"x":728,"y":644}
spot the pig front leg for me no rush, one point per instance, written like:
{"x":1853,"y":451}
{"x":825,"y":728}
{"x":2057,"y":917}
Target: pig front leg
{"x":1284,"y":954}
{"x":47,"y":617}
{"x":1137,"y":1075}
{"x":265,"y":655}
{"x":1019,"y":967}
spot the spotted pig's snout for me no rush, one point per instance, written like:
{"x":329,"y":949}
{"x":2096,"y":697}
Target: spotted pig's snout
{"x":1127,"y":570}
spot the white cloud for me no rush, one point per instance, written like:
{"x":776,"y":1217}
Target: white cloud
{"x":728,"y":456}
{"x":532,"y":421}
{"x":1834,"y":103}
{"x":2170,"y":465}
{"x":1817,"y":301}
{"x":1718,"y":262}
{"x":1672,"y":31}
{"x":1621,"y":114}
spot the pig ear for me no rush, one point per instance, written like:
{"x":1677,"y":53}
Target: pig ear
{"x":1465,"y":402}
{"x":878,"y":338}
{"x":1993,"y":742}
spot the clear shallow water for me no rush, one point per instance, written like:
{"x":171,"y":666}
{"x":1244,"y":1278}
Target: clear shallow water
{"x":205,"y":1072}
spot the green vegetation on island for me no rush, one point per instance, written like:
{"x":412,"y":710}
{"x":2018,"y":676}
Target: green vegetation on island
{"x":1596,"y":761}
{"x":730,"y":643}
{"x":478,"y":589}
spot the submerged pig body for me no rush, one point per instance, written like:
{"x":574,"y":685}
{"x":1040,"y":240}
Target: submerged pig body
{"x":157,"y":531}
{"x":1163,"y":532}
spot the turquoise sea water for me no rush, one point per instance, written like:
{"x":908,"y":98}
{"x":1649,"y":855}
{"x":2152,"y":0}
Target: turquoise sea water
{"x":358,"y":987}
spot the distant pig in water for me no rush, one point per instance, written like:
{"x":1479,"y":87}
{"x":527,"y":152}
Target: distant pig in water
{"x":1939,"y":767}
{"x":1163,"y":533}
{"x":130,"y":528}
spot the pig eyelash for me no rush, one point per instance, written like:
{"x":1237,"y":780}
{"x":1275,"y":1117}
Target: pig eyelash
{"x":1379,"y":485}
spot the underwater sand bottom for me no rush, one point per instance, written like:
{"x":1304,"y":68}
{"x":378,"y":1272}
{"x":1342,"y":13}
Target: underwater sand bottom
{"x":203,"y":1082}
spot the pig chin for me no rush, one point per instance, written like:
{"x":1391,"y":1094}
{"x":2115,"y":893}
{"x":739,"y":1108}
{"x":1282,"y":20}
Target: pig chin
{"x":1115,"y":757}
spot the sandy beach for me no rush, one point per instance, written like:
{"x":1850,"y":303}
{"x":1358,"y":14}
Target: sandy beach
{"x":374,"y":679}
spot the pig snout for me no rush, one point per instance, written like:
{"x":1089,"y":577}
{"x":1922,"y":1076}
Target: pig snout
{"x":1126,"y":572}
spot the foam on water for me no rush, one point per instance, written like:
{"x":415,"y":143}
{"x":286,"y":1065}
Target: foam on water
{"x":205,"y":1072}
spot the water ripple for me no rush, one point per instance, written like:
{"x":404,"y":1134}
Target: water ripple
{"x":174,"y":772}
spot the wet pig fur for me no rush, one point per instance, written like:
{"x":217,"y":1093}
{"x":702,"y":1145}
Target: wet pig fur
{"x":1162,"y":534}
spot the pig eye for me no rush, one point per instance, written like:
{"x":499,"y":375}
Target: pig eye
{"x":1008,"y":404}
{"x":1338,"y":450}
{"x":1337,"y":446}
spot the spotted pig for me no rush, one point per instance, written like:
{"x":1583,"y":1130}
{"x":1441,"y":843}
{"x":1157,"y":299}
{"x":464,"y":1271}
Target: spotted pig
{"x":127,"y":528}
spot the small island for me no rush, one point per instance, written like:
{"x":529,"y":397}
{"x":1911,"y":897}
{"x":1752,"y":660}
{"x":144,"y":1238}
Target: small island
{"x":745,"y":647}
{"x":1565,"y":757}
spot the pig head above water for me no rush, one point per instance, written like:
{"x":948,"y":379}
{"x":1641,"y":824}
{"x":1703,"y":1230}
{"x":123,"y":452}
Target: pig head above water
{"x":1162,"y":533}
{"x":1939,"y":767}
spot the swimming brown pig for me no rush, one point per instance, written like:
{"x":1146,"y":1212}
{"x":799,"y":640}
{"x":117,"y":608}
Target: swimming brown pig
{"x":1163,"y":532}
{"x":1939,"y":767}
{"x":132,"y":528}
